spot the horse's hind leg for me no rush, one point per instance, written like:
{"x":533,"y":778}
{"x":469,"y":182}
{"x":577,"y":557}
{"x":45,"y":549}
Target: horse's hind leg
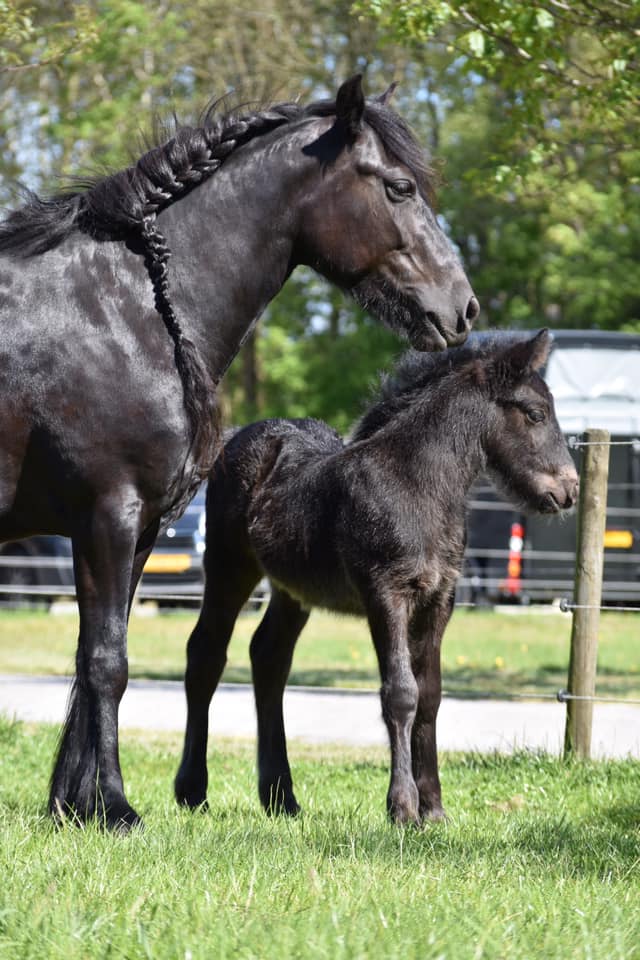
{"x":272,"y":649}
{"x":87,"y":780}
{"x":229,"y":582}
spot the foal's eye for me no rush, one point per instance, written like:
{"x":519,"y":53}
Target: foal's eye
{"x":399,"y":190}
{"x":534,"y":415}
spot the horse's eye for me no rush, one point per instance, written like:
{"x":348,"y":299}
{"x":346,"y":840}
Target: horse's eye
{"x":399,"y":190}
{"x":534,"y":415}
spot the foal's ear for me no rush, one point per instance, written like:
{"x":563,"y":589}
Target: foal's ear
{"x":540,"y":347}
{"x":386,"y":96}
{"x":350,"y":106}
{"x":529,"y":354}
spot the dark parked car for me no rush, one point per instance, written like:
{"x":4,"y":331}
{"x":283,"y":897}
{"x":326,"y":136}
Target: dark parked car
{"x":595,"y":378}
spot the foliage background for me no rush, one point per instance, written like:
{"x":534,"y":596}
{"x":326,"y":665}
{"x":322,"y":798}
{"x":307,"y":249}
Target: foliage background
{"x":531,"y":109}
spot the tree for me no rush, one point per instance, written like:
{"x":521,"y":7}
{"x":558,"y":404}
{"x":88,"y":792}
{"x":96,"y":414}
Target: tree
{"x":544,"y":54}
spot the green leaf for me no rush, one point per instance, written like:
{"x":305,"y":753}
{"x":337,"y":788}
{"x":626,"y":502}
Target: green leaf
{"x":545,"y":20}
{"x":475,"y":40}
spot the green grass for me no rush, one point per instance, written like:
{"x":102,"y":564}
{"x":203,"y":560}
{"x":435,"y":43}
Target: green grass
{"x":484,"y":652}
{"x":539,"y":859}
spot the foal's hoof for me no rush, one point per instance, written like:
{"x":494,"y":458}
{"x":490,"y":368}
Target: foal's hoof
{"x":402,"y":807}
{"x":194,"y":799}
{"x":277,"y":803}
{"x":404,"y":817}
{"x":435,"y":815}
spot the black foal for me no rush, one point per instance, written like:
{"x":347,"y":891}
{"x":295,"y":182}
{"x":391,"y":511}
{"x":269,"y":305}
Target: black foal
{"x":373,"y":527}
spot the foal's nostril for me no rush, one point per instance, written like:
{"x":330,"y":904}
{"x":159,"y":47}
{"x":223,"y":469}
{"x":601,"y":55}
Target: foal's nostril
{"x":572,"y":494}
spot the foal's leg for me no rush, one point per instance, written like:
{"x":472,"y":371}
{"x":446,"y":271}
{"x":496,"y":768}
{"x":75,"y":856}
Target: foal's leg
{"x":399,"y":697}
{"x":229,"y":582}
{"x":87,"y":780}
{"x":272,"y":649}
{"x":426,"y":636}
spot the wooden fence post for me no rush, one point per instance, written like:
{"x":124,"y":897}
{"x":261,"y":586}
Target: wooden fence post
{"x":587,"y":593}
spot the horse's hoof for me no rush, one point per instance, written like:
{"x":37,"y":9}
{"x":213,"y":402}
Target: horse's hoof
{"x":118,"y":818}
{"x":193,"y":804}
{"x":123,"y":823}
{"x":404,"y":817}
{"x":402,"y":807}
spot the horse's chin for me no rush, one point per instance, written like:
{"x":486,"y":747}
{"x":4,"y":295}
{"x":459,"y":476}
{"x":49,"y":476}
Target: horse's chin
{"x":405,"y":316}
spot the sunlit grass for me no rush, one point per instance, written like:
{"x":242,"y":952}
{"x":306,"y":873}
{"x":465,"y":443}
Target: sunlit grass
{"x":538,"y":859}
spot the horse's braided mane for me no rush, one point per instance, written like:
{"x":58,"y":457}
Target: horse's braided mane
{"x":124,"y":206}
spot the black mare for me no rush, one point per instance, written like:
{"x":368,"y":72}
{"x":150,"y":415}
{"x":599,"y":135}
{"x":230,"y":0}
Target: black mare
{"x":110,"y":354}
{"x":373,"y":527}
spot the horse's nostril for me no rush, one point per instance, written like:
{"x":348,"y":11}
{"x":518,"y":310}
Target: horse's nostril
{"x":472,"y":311}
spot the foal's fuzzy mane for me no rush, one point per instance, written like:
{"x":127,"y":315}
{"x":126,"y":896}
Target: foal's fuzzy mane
{"x":117,"y":206}
{"x":419,"y":376}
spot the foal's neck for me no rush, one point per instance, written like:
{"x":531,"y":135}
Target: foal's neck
{"x":440,"y":447}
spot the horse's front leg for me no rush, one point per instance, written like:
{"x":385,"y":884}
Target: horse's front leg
{"x":87,"y":780}
{"x":399,"y":698}
{"x":426,"y":635}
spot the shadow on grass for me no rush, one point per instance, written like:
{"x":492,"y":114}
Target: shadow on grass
{"x":464,"y":682}
{"x":476,"y":682}
{"x":320,"y":677}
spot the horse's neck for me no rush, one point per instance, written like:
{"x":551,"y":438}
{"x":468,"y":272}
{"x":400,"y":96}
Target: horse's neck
{"x":231,"y":251}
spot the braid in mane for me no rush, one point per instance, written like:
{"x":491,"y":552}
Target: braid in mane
{"x":199,"y":389}
{"x":122,"y":202}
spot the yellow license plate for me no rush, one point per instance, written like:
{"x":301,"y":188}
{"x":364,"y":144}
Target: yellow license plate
{"x":620,"y":539}
{"x":167,"y":563}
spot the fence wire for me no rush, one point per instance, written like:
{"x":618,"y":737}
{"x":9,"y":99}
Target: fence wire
{"x":575,"y":443}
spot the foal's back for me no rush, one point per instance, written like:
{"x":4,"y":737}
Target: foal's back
{"x":276,"y":498}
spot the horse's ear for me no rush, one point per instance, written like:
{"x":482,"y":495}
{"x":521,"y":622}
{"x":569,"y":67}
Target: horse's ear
{"x":386,"y":96}
{"x":350,"y":105}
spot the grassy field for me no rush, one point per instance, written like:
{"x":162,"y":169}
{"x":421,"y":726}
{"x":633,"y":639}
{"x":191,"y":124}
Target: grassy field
{"x":484,"y":652}
{"x":538,"y":859}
